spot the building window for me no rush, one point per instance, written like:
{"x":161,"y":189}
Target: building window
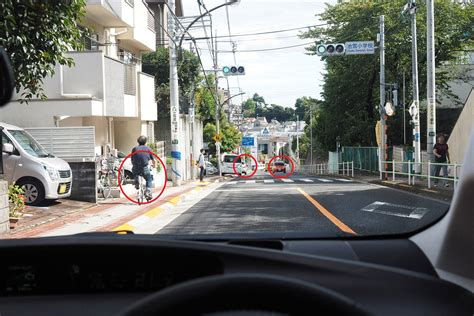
{"x":150,"y":20}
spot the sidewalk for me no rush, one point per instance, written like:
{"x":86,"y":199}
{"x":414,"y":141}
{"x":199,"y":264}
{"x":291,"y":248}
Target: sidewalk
{"x":72,"y":217}
{"x":421,"y":185}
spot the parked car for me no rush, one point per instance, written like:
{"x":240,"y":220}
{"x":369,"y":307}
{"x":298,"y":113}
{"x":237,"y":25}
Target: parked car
{"x":210,"y":168}
{"x":279,"y":166}
{"x":228,"y":162}
{"x":26,"y":163}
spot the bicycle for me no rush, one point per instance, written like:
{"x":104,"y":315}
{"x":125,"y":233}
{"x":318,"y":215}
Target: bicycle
{"x":107,"y":175}
{"x":141,"y":195}
{"x":142,"y":190}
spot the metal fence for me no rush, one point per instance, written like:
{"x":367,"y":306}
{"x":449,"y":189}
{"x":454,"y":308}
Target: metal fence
{"x":409,"y":171}
{"x":343,"y":168}
{"x":73,"y":144}
{"x":364,"y":158}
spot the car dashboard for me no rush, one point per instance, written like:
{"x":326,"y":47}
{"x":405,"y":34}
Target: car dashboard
{"x":103,"y":275}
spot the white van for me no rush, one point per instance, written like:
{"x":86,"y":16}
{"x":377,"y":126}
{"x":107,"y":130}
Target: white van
{"x":228,"y":162}
{"x":25,"y":162}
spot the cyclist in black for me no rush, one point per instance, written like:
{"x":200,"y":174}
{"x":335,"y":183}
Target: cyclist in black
{"x":141,"y":165}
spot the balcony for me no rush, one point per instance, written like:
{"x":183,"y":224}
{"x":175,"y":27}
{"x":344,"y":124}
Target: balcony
{"x":108,"y":82}
{"x":142,"y":35}
{"x":111,"y":13}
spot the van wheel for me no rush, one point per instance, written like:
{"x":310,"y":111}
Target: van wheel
{"x":34,"y":191}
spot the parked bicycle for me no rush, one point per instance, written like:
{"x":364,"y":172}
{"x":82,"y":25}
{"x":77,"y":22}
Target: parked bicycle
{"x":107,"y":174}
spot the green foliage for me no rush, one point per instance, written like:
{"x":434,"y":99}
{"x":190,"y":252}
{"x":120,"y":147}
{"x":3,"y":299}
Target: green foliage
{"x":256,"y":106}
{"x":351,"y":85}
{"x":249,"y":107}
{"x":157,"y":65}
{"x":36,"y":34}
{"x":16,"y":200}
{"x":303,"y":107}
{"x":154,"y":149}
{"x":231,"y":137}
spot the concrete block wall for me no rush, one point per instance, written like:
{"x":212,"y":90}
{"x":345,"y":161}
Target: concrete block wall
{"x":4,"y":207}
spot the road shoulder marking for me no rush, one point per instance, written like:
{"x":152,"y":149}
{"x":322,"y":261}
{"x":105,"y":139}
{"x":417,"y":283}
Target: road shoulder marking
{"x":328,"y":214}
{"x":416,"y":212}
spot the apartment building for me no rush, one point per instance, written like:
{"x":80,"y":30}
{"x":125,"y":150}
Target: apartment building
{"x":106,"y":87}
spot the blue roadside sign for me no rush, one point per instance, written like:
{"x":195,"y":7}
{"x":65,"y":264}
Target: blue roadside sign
{"x":248,"y":141}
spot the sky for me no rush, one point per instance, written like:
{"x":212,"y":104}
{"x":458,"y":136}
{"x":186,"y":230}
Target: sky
{"x":279,"y":76}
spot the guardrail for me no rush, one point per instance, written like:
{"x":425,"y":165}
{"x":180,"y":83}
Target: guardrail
{"x":412,"y":175}
{"x":345,"y":168}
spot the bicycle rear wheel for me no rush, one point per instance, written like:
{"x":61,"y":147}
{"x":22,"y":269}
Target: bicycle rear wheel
{"x":106,"y":187}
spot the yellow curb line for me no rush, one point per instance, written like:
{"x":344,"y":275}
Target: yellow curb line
{"x":158,"y":210}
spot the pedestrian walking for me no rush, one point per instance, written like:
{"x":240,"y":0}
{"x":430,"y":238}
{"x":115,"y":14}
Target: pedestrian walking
{"x":441,"y":152}
{"x":201,"y":165}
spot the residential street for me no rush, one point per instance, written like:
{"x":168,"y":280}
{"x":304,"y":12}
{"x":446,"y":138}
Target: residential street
{"x":323,"y":205}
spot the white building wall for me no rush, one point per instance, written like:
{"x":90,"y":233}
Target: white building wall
{"x":146,"y":95}
{"x":86,"y":76}
{"x":459,"y":138}
{"x":114,"y":87}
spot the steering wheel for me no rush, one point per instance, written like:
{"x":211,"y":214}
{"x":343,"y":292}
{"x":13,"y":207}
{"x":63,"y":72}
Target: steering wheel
{"x":245,"y":294}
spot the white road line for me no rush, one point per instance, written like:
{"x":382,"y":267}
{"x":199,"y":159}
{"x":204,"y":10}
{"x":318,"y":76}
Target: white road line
{"x":250,"y":181}
{"x":269,"y":189}
{"x":287,"y":180}
{"x":345,"y":180}
{"x":324,"y":180}
{"x":232,"y":182}
{"x":377,"y":207}
{"x":268,"y":181}
{"x":306,"y":180}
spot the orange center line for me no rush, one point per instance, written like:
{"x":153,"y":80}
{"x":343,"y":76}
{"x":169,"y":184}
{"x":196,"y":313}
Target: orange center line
{"x":328,"y":214}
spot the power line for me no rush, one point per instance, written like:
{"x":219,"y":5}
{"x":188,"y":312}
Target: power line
{"x":233,"y":49}
{"x":205,"y":76}
{"x":264,"y":49}
{"x":209,"y":43}
{"x":263,"y":39}
{"x":263,"y":33}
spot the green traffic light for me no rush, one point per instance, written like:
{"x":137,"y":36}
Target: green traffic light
{"x":226,"y":70}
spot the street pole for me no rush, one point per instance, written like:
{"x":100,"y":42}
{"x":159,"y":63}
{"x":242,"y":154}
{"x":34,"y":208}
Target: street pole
{"x":382,"y":149}
{"x":404,"y":112}
{"x":218,"y":130}
{"x":297,"y":141}
{"x":311,"y":131}
{"x":430,"y":85}
{"x":416,"y":93}
{"x":176,"y":174}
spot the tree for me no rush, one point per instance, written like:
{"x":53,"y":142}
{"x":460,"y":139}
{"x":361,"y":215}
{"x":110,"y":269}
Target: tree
{"x":259,"y":104}
{"x":351,"y":84}
{"x":249,"y":107}
{"x":36,"y":34}
{"x":303,"y":107}
{"x":231,"y":137}
{"x":157,"y":65}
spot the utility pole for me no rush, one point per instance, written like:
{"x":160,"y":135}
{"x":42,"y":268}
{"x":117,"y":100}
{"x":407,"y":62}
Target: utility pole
{"x":311,"y":131}
{"x":176,"y":174}
{"x":430,"y":85}
{"x":382,"y":149}
{"x":297,"y":141}
{"x":404,"y":112}
{"x":416,"y":93}
{"x":218,"y":130}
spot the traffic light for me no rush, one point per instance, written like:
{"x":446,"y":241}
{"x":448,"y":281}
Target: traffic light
{"x":331,"y":49}
{"x":233,"y":70}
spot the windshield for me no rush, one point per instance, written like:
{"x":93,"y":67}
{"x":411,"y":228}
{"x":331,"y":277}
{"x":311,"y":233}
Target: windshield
{"x":28,"y":143}
{"x":281,"y":119}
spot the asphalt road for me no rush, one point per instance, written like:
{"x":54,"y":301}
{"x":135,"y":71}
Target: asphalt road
{"x":327,"y":206}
